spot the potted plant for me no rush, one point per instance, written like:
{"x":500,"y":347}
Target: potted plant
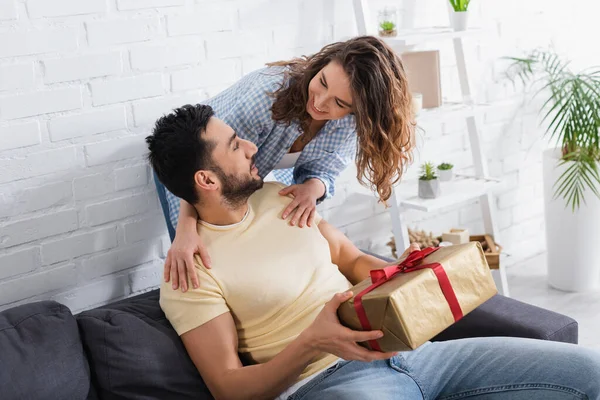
{"x":429,"y":185}
{"x":460,"y":14}
{"x":387,"y":22}
{"x":571,"y":169}
{"x":445,"y":172}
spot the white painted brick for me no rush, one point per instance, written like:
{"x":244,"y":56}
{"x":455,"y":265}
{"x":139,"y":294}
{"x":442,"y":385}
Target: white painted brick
{"x":158,"y":57}
{"x":531,"y":174}
{"x":22,"y":43}
{"x":78,"y":245}
{"x":16,"y":76}
{"x":145,"y":229}
{"x":115,"y":150}
{"x":36,"y":198}
{"x":137,"y":4}
{"x":146,"y":112}
{"x":35,"y":284}
{"x":35,"y":164}
{"x":213,"y":73}
{"x":508,"y":199}
{"x":88,"y":123}
{"x":470,"y":213}
{"x":82,"y":67}
{"x":8,"y":10}
{"x":19,"y":262}
{"x":118,"y":260}
{"x":146,"y":277}
{"x":227,"y":44}
{"x":94,"y":294}
{"x":40,"y":102}
{"x":120,"y":208}
{"x":504,"y":218}
{"x":59,"y":8}
{"x":130,"y":177}
{"x":31,"y":229}
{"x":91,"y":186}
{"x":528,"y":209}
{"x":254,"y":15}
{"x":106,"y":33}
{"x":211,"y":18}
{"x":120,"y":90}
{"x":21,"y":135}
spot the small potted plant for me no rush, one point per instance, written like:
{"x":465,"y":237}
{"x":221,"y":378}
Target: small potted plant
{"x":429,"y":185}
{"x":387,"y":22}
{"x":460,"y":14}
{"x":445,"y":172}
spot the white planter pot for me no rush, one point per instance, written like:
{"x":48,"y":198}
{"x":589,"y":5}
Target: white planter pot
{"x":573,"y":239}
{"x":459,"y":20}
{"x":429,"y":189}
{"x":445,"y":175}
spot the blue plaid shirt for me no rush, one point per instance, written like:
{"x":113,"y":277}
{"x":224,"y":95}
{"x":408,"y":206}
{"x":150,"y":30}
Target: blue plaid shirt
{"x":246,"y":107}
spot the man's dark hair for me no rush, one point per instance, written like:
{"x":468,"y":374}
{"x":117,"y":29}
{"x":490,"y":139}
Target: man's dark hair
{"x":178,"y":150}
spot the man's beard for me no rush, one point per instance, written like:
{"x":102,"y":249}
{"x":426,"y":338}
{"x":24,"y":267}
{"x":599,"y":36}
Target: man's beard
{"x":236,"y":190}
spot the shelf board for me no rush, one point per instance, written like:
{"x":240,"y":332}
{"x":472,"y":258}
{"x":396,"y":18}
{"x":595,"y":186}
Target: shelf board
{"x":417,"y":36}
{"x":456,"y":109}
{"x":461,"y":189}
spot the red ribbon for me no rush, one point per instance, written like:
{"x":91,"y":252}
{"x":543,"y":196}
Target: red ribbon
{"x":410,"y":264}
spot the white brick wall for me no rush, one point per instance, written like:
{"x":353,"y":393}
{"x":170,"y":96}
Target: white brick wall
{"x":81,"y":82}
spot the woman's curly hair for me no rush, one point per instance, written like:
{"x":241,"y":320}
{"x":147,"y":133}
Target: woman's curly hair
{"x":381,"y":100}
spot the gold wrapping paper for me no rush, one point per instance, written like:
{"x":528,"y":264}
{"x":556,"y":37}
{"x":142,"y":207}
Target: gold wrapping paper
{"x":411,"y":309}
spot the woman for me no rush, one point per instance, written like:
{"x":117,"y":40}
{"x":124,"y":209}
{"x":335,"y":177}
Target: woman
{"x":310,"y":117}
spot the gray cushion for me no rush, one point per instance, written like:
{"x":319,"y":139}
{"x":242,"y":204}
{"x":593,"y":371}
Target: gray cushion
{"x":134,"y":353}
{"x":41,"y":356}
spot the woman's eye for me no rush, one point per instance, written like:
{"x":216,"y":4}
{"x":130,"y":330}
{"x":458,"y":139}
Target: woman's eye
{"x":323,"y":83}
{"x":339,"y":105}
{"x":237,"y":146}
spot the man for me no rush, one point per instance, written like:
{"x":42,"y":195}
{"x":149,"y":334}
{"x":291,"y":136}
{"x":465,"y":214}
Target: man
{"x":273,"y":290}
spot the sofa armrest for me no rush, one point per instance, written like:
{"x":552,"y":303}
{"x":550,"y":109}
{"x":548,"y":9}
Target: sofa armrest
{"x":503,"y":316}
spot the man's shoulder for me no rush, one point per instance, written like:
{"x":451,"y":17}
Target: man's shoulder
{"x":268,"y":196}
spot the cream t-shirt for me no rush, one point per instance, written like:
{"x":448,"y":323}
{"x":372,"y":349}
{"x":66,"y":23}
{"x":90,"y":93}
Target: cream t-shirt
{"x":274,"y":279}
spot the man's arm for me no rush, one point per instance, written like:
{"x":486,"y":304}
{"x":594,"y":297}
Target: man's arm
{"x":213,"y":349}
{"x":353,"y":263}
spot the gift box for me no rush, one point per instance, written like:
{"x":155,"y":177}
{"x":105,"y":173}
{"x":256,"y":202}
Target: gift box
{"x":414,"y":300}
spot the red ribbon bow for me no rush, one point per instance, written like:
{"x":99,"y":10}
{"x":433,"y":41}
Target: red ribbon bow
{"x":410,"y":264}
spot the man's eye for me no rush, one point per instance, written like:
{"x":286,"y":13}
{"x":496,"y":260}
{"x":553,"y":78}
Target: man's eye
{"x":237,"y":146}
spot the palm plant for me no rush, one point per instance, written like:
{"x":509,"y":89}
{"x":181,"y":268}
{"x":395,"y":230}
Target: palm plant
{"x":460,"y":5}
{"x":572,"y":109}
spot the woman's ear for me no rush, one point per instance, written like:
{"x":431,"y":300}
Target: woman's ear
{"x":206,"y":180}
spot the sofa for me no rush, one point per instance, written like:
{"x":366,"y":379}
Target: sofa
{"x":128,"y":349}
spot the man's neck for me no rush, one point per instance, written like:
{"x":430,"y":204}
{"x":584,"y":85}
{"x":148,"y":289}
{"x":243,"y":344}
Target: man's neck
{"x":222,"y":214}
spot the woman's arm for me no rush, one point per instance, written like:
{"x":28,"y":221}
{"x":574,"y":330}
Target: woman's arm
{"x":180,"y":257}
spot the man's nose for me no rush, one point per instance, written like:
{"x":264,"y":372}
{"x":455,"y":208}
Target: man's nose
{"x":251,"y":148}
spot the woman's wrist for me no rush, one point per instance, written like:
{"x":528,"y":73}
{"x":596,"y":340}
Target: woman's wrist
{"x":318,"y":186}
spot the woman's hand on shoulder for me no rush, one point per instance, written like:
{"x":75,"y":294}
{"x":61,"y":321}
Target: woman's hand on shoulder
{"x":179,"y":265}
{"x":303,"y":207}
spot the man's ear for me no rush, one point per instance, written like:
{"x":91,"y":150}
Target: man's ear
{"x":206,"y":180}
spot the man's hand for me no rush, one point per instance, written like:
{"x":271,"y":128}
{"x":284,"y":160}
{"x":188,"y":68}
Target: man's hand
{"x":304,"y":205}
{"x":327,"y":335}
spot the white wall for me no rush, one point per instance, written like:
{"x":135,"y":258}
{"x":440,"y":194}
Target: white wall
{"x":82,"y":81}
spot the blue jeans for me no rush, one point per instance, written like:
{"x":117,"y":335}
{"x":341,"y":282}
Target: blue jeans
{"x":479,"y":368}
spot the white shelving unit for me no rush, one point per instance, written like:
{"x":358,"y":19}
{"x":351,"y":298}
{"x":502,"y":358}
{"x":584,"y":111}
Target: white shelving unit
{"x":463,"y":188}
